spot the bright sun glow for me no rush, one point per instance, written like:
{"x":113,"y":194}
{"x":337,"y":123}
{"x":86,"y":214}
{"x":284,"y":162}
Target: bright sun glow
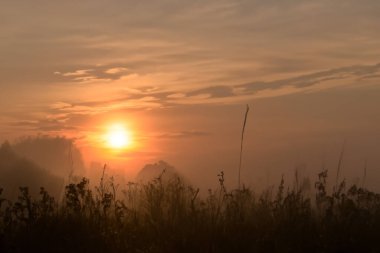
{"x":118,"y":137}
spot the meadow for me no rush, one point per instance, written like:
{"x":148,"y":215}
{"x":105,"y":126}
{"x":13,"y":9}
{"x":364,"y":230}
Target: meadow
{"x":171,"y":216}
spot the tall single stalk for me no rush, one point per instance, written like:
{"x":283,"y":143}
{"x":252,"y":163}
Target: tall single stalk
{"x":340,"y":164}
{"x":241,"y":142}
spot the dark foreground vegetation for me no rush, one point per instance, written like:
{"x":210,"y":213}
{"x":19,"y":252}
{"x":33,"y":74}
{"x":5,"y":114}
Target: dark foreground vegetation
{"x":170,"y":216}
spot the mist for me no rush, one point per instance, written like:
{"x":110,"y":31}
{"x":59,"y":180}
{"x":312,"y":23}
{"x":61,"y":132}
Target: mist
{"x":58,"y":155}
{"x":17,"y":171}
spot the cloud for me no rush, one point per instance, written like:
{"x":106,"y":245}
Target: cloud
{"x":214,"y":92}
{"x":54,"y":127}
{"x":53,"y":123}
{"x":80,"y":72}
{"x":60,"y":105}
{"x":95,"y":73}
{"x":176,"y":95}
{"x":181,"y":38}
{"x":183,"y":134}
{"x":369,"y":77}
{"x":25,"y":123}
{"x":149,"y":97}
{"x":313,"y":78}
{"x":116,"y":70}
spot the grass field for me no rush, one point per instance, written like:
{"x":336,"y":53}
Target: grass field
{"x":162,"y":216}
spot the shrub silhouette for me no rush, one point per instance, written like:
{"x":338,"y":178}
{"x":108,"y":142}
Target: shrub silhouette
{"x":171,"y":216}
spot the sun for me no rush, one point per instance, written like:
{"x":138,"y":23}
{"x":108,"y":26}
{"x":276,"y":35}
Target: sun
{"x":118,"y":137}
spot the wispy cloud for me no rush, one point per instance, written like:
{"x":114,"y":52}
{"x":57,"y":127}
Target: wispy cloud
{"x":183,"y":134}
{"x":313,"y":78}
{"x":149,"y":97}
{"x":43,"y":125}
{"x":95,"y":73}
{"x":214,"y":91}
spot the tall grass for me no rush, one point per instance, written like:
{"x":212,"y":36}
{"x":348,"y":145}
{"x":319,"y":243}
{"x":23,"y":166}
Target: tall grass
{"x":241,"y":144}
{"x":171,"y":216}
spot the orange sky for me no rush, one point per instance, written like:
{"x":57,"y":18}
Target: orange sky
{"x":179,"y":73}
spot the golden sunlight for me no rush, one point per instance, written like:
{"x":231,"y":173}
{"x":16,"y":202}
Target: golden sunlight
{"x":118,"y":137}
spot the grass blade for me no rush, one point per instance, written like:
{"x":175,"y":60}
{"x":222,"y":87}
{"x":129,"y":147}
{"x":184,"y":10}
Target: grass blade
{"x":241,"y":142}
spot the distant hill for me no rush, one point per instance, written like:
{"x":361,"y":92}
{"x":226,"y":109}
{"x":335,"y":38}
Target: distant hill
{"x":58,"y":155}
{"x":16,"y":171}
{"x":161,"y":168}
